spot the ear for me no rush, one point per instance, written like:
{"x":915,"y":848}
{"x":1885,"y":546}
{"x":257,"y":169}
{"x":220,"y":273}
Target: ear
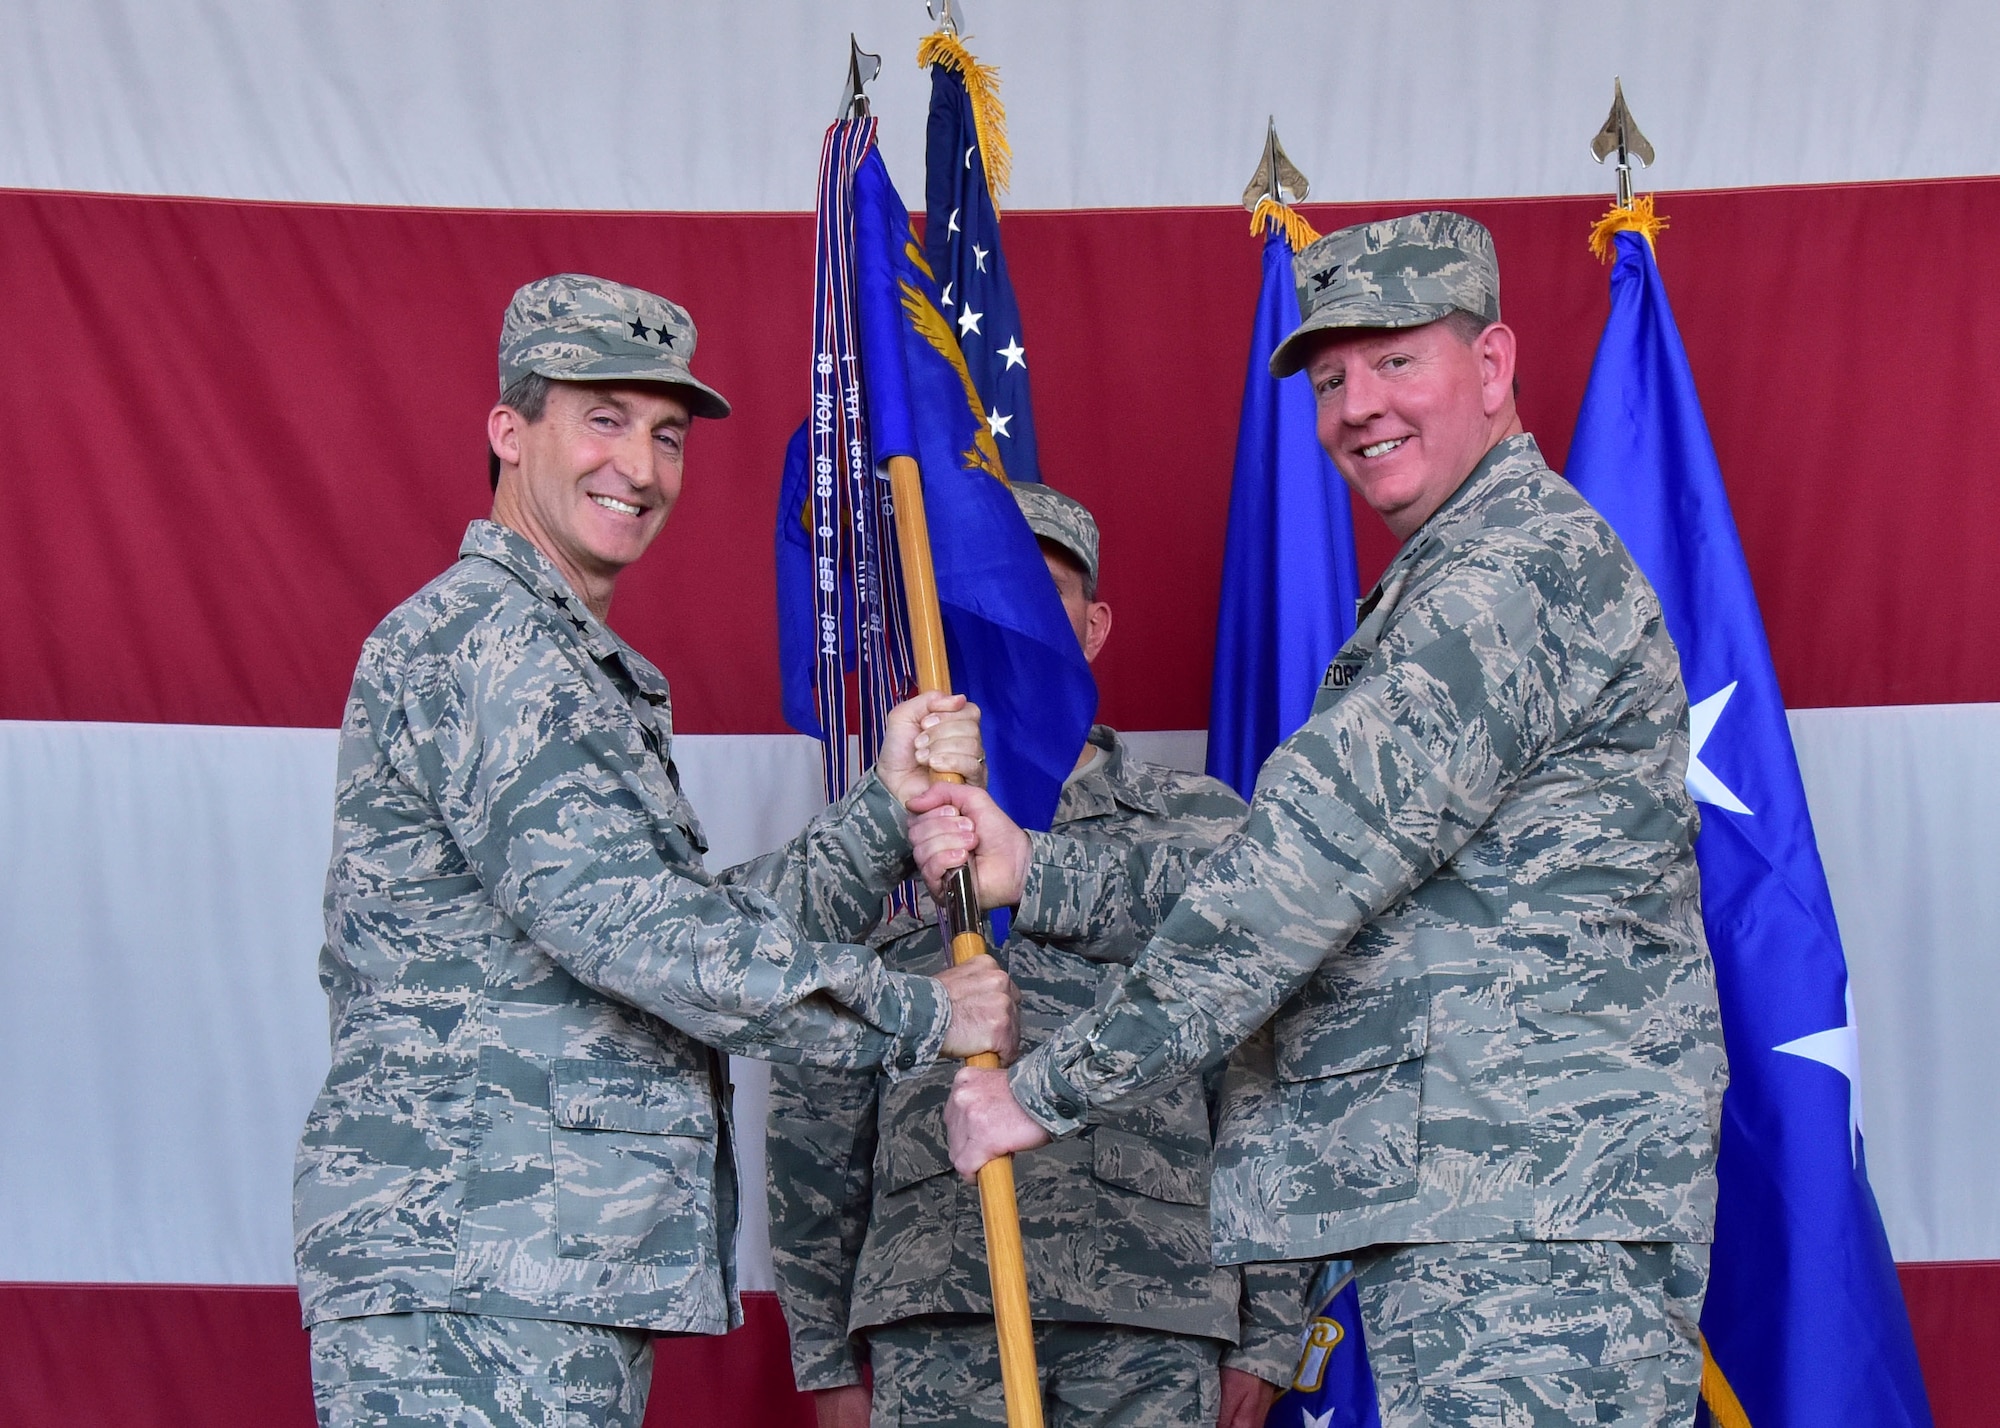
{"x":1096,"y":629}
{"x":1496,"y":348}
{"x":503,"y":434}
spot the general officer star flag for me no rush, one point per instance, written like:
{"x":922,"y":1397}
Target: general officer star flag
{"x":1289,"y":580}
{"x":1804,"y":1323}
{"x":889,"y":380}
{"x":962,"y":241}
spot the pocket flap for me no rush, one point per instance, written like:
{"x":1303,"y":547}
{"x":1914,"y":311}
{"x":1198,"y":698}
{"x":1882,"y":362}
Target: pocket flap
{"x":913,"y":1140}
{"x":1357,"y":1032}
{"x":1133,"y":1162}
{"x":621,"y":1096}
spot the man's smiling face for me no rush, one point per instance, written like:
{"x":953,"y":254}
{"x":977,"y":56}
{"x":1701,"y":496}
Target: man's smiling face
{"x":591,"y":483}
{"x":1407,"y":413}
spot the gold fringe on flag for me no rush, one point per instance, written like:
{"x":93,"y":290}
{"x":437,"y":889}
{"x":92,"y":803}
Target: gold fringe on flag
{"x":1270,"y":214}
{"x":1723,"y":1408}
{"x":989,"y":115}
{"x":1639,"y":218}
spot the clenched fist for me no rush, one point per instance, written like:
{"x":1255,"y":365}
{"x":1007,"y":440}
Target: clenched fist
{"x":951,"y":825}
{"x":926,"y":736}
{"x":985,"y":1008}
{"x":982,"y":1120}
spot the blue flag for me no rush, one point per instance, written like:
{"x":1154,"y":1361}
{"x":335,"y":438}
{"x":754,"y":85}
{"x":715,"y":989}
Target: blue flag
{"x":1289,"y":581}
{"x":889,"y":380}
{"x":1804,"y":1324}
{"x":962,"y":239}
{"x":1334,"y":1386}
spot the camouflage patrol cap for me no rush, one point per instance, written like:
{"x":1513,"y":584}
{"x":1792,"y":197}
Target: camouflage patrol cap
{"x":575,"y":328}
{"x":1062,"y":521}
{"x":1401,"y":272}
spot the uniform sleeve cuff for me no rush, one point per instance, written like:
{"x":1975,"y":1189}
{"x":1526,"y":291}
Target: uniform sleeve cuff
{"x":1273,"y":1358}
{"x":914,"y":1046}
{"x":1274,"y":1315}
{"x":1057,"y":894}
{"x":1045,"y":1094}
{"x":818,"y":1365}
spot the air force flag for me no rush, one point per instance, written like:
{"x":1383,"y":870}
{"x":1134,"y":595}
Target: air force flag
{"x":962,"y":242}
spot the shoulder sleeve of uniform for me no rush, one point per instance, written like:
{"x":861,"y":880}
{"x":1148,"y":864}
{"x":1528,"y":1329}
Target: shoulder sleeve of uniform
{"x":833,"y":877}
{"x":1100,"y":887}
{"x":1096,"y":894}
{"x":549,"y":800}
{"x":1364,"y":803}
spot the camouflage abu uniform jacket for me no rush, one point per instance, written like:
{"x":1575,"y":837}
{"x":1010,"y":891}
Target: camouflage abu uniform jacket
{"x":1467,"y":889}
{"x":869,"y":1226}
{"x":527,"y":967}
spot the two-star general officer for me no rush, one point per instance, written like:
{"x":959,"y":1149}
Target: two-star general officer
{"x":519,"y":1166}
{"x":1468,"y":892}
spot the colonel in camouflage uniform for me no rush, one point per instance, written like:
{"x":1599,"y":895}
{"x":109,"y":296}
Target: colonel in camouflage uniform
{"x":878,"y":1247}
{"x":1465,"y":903}
{"x":520,"y":1163}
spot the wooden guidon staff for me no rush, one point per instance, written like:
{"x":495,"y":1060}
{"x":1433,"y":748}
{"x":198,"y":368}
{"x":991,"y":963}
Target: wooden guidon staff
{"x":1004,"y":1264}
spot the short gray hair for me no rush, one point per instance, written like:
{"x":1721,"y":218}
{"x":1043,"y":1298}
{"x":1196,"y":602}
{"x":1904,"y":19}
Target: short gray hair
{"x":1465,"y":326}
{"x":527,"y":394}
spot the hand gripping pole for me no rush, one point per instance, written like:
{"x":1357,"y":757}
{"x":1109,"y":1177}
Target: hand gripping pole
{"x":1004,"y":1264}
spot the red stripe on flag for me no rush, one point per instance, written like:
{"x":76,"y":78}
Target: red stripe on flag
{"x":153,"y":1356}
{"x":240,"y":433}
{"x":165,"y":1356}
{"x":1955,"y":1314}
{"x":172,"y":1355}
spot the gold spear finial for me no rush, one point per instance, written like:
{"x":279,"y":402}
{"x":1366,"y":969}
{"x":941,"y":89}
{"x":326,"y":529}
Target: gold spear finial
{"x":1277,"y":178}
{"x":1272,"y":191}
{"x":1621,"y":135}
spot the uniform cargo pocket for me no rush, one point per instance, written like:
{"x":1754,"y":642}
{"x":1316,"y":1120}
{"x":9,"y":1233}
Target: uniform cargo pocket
{"x":1352,"y":1076}
{"x":1159,"y":1172}
{"x":634,"y":1151}
{"x":1592,"y":1306}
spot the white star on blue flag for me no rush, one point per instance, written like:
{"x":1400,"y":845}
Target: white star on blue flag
{"x":1840,"y":1048}
{"x":962,"y":245}
{"x":1702,"y":783}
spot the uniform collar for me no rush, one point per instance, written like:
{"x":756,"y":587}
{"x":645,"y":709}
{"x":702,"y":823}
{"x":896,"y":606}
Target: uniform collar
{"x":1110,"y":781}
{"x":1498,"y":473}
{"x":520,"y":558}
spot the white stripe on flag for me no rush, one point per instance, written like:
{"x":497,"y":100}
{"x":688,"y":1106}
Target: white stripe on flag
{"x":1906,"y":807}
{"x":1109,"y":105}
{"x":162,"y":1031}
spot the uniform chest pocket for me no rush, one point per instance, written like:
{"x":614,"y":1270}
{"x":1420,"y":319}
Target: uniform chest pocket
{"x":912,"y":1129}
{"x":1159,"y":1148}
{"x":634,"y":1151}
{"x":1351,"y":1071}
{"x":1158,"y":1170}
